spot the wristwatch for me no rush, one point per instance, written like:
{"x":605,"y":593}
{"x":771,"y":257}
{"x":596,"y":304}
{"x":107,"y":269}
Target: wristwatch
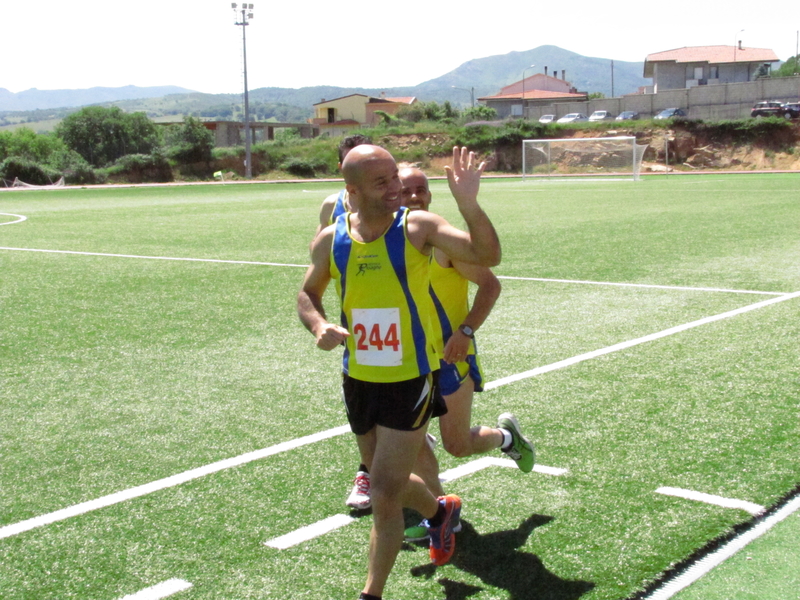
{"x":467,"y":330}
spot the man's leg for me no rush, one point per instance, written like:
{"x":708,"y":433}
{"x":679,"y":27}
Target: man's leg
{"x":427,"y":468}
{"x":457,"y":437}
{"x":391,"y":487}
{"x":359,"y":497}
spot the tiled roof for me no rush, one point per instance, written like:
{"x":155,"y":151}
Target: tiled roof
{"x":534,"y":95}
{"x":714,"y":54}
{"x":403,"y":100}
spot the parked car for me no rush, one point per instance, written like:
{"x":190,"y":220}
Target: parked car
{"x":573,"y":118}
{"x":773,"y":108}
{"x":627,"y":115}
{"x":601,"y":115}
{"x":547,"y":118}
{"x":793,"y":109}
{"x":670,"y":113}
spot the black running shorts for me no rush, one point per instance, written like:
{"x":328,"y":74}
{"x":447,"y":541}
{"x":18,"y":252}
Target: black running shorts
{"x":402,"y":405}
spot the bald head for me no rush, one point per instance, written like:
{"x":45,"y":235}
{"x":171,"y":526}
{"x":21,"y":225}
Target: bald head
{"x":416,"y":194}
{"x":370,"y":175}
{"x":363,"y":159}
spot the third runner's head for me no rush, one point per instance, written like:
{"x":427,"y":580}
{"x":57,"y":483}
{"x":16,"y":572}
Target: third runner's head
{"x":416,"y":194}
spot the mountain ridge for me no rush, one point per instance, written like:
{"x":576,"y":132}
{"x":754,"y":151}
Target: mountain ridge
{"x":478,"y":77}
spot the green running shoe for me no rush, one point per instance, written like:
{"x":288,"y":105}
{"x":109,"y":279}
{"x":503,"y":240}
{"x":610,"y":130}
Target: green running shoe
{"x":521,"y":449}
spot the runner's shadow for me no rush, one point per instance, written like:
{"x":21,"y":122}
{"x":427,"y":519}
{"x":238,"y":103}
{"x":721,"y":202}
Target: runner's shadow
{"x":495,"y":558}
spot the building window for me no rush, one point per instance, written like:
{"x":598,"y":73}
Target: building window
{"x":516,"y":110}
{"x":331,"y":115}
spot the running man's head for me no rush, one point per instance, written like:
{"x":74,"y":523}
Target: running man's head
{"x":416,"y":194}
{"x":371,"y":177}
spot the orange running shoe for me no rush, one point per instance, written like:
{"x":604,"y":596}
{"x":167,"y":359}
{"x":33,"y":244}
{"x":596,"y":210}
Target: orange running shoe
{"x":443,"y":540}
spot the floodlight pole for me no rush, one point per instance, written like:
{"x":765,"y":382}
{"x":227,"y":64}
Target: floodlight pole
{"x":471,"y":93}
{"x":248,"y":167}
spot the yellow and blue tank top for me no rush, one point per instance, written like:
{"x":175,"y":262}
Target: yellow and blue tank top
{"x":339,"y":207}
{"x":384,"y":291}
{"x":450,"y":295}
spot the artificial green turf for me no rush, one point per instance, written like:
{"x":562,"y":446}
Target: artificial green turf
{"x":765,"y":569}
{"x":120,"y":371}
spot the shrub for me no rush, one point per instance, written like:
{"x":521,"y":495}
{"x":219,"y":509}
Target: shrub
{"x":28,"y":171}
{"x":304,"y":168}
{"x":189,"y":143}
{"x":141,"y":168}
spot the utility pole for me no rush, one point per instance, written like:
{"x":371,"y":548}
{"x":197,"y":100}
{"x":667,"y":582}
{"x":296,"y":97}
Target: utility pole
{"x":248,"y":168}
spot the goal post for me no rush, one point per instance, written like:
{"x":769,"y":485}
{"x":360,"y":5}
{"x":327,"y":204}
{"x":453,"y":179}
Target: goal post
{"x":617,"y":156}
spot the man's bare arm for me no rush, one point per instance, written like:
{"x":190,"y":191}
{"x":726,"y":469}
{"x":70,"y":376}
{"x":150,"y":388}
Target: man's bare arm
{"x":480,"y":245}
{"x":309,"y":300}
{"x":485,"y":298}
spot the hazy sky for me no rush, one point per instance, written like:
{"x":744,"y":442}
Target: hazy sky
{"x":59,"y":44}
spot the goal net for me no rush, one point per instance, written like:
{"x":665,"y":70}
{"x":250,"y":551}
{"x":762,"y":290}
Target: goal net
{"x":609,"y":156}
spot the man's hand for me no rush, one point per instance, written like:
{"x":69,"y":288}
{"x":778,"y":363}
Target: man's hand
{"x":456,"y":348}
{"x":464,"y":176}
{"x":330,"y":336}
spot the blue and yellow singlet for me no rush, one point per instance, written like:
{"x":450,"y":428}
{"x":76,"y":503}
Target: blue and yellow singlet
{"x":383,"y":288}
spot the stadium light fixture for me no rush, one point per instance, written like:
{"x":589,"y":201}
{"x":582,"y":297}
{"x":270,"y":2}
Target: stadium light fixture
{"x":523,"y":89}
{"x":246,"y":16}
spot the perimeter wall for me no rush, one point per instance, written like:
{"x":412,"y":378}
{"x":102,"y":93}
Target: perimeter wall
{"x":707,"y":102}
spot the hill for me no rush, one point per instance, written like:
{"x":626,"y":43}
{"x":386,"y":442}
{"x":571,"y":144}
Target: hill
{"x":34,"y":99}
{"x":483,"y":75}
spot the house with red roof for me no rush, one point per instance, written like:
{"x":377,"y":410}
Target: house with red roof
{"x":705,"y":65}
{"x":536,"y":90}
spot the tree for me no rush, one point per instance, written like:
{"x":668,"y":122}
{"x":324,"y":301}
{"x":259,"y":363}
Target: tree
{"x":102,"y":135}
{"x":189,"y":143}
{"x":789,"y":68}
{"x":480,"y":113}
{"x":24,"y":142}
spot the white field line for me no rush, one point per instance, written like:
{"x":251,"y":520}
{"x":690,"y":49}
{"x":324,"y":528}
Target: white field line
{"x":641,"y":285}
{"x":635,"y":342}
{"x":78,"y":509}
{"x":320,"y":528}
{"x":161,"y":590}
{"x":271,"y":264}
{"x":207,"y":260}
{"x":167,"y":482}
{"x":20,"y":218}
{"x":723,"y":553}
{"x":751,"y":507}
{"x":309,"y":532}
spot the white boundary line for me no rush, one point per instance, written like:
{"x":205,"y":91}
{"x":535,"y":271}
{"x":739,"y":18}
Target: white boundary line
{"x":20,"y":218}
{"x":320,"y":528}
{"x":167,"y":482}
{"x":161,"y":590}
{"x":751,"y":507}
{"x":207,"y":260}
{"x":723,"y":553}
{"x":84,"y":507}
{"x":309,"y":532}
{"x":635,"y":342}
{"x":272,"y":264}
{"x":641,"y":285}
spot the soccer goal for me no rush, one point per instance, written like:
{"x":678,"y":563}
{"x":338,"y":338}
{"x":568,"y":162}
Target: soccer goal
{"x":610,"y":156}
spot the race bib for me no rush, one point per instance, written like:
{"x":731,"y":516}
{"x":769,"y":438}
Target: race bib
{"x":377,"y":337}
